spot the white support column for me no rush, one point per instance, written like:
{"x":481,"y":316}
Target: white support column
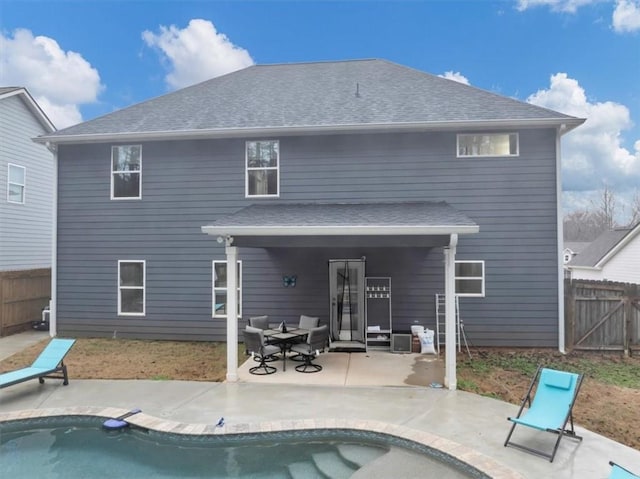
{"x":450,"y":380}
{"x":53,"y":302}
{"x":232,"y":311}
{"x":560,"y":223}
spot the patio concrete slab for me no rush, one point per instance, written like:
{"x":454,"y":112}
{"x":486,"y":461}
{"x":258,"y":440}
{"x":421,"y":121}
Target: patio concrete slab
{"x":10,"y":345}
{"x":373,"y":368}
{"x":468,"y":419}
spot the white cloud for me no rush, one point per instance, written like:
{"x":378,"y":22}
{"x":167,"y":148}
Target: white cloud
{"x":568,"y":6}
{"x":58,"y":80}
{"x":196,"y":53}
{"x":455,"y":76}
{"x":626,"y":16}
{"x":593,"y":153}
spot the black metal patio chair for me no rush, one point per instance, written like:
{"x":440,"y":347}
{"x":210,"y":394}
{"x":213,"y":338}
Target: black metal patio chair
{"x":317,"y":342}
{"x":256,"y":347}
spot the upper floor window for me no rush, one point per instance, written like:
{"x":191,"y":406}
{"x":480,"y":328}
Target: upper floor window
{"x":220,"y":289}
{"x":470,"y":278}
{"x":16,"y":182}
{"x":490,"y":144}
{"x":263,"y":168}
{"x":131,"y":287}
{"x":126,"y":172}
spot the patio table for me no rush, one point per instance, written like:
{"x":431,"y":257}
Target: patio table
{"x":285,"y":340}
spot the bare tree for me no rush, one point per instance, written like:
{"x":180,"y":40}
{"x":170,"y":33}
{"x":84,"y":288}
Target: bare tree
{"x":606,"y":208}
{"x":588,"y":224}
{"x":582,"y":225}
{"x":635,"y":209}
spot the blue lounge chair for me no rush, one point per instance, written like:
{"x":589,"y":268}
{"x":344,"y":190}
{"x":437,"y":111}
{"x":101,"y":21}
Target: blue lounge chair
{"x":48,"y":363}
{"x":619,"y":472}
{"x":550,"y":409}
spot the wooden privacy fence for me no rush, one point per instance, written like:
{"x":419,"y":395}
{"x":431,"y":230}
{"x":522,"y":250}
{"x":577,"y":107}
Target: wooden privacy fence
{"x":602,"y":315}
{"x":23,"y":294}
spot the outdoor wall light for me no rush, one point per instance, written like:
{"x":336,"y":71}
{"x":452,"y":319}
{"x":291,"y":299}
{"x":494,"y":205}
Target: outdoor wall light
{"x":289,"y":281}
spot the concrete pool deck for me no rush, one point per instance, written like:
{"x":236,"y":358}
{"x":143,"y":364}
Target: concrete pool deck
{"x":475,"y":422}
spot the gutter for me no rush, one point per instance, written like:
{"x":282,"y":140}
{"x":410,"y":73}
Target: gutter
{"x":565,"y":125}
{"x":333,"y":230}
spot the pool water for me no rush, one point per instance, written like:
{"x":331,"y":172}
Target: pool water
{"x":82,"y":449}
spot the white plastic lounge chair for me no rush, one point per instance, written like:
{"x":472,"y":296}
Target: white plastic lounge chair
{"x":48,"y":363}
{"x":551,"y":408}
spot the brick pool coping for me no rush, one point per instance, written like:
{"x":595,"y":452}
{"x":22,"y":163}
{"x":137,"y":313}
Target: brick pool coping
{"x":465,"y":454}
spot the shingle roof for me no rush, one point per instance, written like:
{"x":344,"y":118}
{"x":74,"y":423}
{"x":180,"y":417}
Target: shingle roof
{"x":576,"y":246}
{"x":315,"y":95}
{"x":380,"y":218}
{"x":597,"y":249}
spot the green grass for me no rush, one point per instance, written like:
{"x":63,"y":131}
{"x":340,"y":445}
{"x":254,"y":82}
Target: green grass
{"x":609,"y":369}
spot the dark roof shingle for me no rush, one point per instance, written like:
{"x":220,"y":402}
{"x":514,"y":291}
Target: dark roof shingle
{"x":316,"y":95}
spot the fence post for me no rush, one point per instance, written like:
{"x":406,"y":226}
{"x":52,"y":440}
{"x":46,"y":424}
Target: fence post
{"x":2,"y":320}
{"x":569,"y":314}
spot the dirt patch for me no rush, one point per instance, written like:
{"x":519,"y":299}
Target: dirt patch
{"x":609,"y":401}
{"x":132,"y":359}
{"x":602,"y":406}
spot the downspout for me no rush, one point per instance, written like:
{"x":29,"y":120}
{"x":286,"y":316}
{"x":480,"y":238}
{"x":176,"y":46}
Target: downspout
{"x":53,"y":302}
{"x":232,"y":310}
{"x":560,"y":239}
{"x":450,"y":378}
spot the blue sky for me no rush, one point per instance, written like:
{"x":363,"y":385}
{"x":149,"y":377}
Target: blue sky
{"x":82,"y":59}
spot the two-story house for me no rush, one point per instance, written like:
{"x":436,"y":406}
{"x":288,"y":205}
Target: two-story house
{"x":27,"y":179}
{"x":310,"y":178}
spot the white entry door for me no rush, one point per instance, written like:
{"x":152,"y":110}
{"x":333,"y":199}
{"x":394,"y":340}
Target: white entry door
{"x":346,"y":287}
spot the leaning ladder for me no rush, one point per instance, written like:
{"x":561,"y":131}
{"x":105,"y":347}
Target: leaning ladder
{"x":440,"y":324}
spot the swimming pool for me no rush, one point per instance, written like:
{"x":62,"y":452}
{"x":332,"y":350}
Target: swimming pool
{"x":77,"y":447}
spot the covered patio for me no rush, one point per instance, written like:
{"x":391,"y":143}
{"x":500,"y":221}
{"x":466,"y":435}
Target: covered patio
{"x":404,"y":225}
{"x":372,"y":368}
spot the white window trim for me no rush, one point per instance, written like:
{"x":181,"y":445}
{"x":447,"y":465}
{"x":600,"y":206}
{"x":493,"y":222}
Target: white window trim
{"x":481,"y":278}
{"x":458,"y":155}
{"x":113,"y":172}
{"x":247,"y":169}
{"x":215,"y":289}
{"x":143,"y":288}
{"x":23,"y":185}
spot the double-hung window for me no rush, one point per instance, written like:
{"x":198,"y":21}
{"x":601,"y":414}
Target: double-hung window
{"x":16,"y":183}
{"x":126,"y":172}
{"x":131,"y":287}
{"x":220,"y":289}
{"x":470,"y":278}
{"x":488,"y":144}
{"x":262,"y":168}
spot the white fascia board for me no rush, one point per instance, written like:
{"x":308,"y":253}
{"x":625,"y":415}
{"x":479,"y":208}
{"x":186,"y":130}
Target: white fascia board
{"x":337,"y":230}
{"x":33,"y":107}
{"x":585,"y":268}
{"x":569,"y":124}
{"x":621,"y":244}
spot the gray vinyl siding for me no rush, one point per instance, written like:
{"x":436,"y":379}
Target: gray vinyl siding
{"x":188,"y":184}
{"x":25,"y":229}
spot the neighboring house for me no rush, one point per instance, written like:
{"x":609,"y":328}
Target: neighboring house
{"x":571,"y":249}
{"x":27,"y":179}
{"x":612,"y":256}
{"x":312,"y":177}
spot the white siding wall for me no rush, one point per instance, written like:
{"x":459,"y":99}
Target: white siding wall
{"x":25,"y":229}
{"x":588,"y":274}
{"x":624,"y":266}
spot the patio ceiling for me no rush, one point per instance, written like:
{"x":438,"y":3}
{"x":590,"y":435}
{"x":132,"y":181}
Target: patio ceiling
{"x":423,"y":224}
